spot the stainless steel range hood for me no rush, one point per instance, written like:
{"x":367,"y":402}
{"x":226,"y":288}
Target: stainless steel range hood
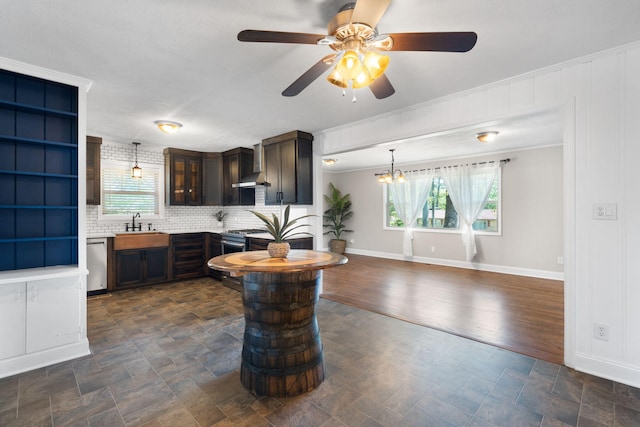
{"x":257,"y":178}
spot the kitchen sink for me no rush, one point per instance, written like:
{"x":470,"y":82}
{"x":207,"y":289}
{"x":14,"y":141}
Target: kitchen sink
{"x":140,"y":240}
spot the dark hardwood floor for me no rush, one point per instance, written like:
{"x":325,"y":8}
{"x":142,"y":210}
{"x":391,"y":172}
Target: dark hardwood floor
{"x":521,"y":314}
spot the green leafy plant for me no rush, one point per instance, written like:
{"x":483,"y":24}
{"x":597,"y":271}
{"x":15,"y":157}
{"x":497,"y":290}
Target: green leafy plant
{"x":220,"y":215}
{"x":283,"y":229}
{"x":338,"y":212}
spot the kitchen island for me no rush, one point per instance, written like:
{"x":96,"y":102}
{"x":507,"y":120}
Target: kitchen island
{"x":282,"y":351}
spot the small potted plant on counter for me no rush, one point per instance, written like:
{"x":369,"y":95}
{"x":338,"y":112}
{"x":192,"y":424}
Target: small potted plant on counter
{"x":339,"y":210}
{"x":280,"y":230}
{"x":219,"y":216}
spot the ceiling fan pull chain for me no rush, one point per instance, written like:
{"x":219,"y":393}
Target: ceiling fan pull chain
{"x":354,"y":97}
{"x":344,"y":92}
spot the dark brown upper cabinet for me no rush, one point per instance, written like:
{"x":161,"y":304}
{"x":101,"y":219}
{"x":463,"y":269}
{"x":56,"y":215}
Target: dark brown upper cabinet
{"x":183,"y":175}
{"x":93,"y":170}
{"x":288,"y":167}
{"x":212,"y":179}
{"x":236,"y":164}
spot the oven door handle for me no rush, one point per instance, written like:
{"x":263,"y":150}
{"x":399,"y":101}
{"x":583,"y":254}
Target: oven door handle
{"x":234,"y":244}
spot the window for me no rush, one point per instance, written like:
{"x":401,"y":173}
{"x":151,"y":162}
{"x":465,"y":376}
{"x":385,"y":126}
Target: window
{"x":123,"y":195}
{"x":438,"y":212}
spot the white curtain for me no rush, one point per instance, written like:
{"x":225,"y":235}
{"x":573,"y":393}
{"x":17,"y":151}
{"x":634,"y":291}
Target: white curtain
{"x":408,"y":198}
{"x":468,"y":187}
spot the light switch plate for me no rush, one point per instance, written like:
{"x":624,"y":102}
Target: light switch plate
{"x":607,"y":211}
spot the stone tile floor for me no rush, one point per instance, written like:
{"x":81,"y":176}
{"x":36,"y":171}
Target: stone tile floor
{"x":169,"y":355}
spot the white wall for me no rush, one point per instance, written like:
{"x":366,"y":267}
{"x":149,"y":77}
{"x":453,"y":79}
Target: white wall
{"x":531,"y":238}
{"x":600,"y":99}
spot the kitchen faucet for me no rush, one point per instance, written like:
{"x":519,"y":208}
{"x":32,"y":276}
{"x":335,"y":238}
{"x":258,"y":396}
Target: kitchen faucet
{"x":133,"y":225}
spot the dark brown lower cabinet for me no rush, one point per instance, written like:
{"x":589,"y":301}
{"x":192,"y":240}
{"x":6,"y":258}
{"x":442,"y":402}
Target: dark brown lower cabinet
{"x":188,"y":255}
{"x":137,"y":267}
{"x":215,"y":249}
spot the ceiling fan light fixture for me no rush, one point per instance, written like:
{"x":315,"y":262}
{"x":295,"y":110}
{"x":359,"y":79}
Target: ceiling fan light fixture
{"x":488,"y":136}
{"x":168,"y":126}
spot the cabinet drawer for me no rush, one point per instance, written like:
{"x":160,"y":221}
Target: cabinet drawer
{"x":188,"y":255}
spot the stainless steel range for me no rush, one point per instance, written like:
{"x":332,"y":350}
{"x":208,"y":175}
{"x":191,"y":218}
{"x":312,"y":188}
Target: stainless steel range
{"x":235,"y":241}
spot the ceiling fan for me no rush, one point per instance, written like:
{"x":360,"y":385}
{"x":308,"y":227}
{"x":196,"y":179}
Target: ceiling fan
{"x":352,"y":34}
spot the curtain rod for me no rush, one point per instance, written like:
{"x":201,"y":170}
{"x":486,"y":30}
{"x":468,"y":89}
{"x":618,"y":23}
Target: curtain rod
{"x":507,"y":160}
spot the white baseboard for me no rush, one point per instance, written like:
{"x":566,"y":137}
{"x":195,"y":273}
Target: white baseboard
{"x":504,"y":269}
{"x":31,"y":361}
{"x":608,"y":369}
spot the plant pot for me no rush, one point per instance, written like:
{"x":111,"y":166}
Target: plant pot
{"x":278,"y":250}
{"x":337,"y":246}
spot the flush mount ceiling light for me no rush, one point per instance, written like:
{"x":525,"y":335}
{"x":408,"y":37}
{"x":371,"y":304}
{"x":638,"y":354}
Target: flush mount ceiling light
{"x":391,"y":175}
{"x":329,"y":162}
{"x":136,"y":171}
{"x":487,"y":136}
{"x":167,"y":126}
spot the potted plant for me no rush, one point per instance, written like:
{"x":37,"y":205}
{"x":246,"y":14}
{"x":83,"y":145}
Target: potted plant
{"x":280,"y":230}
{"x":339,"y":210}
{"x":219,"y":218}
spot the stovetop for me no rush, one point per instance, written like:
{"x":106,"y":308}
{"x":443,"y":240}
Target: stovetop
{"x":245,"y":231}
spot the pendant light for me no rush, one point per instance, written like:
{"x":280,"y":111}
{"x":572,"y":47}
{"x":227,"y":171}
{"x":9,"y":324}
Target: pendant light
{"x":391,"y":175}
{"x":136,"y":171}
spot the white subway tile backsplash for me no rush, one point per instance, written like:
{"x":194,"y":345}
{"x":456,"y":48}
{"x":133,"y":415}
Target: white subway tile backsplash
{"x":177,"y":218}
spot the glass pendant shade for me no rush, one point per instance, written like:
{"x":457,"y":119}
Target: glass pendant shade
{"x":349,"y":66}
{"x":136,"y":172}
{"x":335,"y":78}
{"x":375,"y":64}
{"x":362,"y":80}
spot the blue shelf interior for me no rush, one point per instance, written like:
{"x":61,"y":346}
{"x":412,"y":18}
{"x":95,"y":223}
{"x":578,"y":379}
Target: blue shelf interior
{"x":38,"y":172}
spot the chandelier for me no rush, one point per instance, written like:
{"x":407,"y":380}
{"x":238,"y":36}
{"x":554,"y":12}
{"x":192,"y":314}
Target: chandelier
{"x":391,"y":175}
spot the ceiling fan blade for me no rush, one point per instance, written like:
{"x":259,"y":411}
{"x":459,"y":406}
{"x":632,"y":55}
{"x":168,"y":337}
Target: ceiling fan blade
{"x":381,"y":87}
{"x":438,"y":42}
{"x":369,"y":11}
{"x":309,"y":76}
{"x":279,"y":37}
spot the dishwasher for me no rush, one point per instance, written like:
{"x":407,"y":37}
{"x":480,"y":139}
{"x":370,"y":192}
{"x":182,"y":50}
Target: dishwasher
{"x":97,"y":265}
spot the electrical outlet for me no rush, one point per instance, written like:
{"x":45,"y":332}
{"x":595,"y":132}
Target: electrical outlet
{"x":560,"y":260}
{"x":607,"y":211}
{"x":601,"y":331}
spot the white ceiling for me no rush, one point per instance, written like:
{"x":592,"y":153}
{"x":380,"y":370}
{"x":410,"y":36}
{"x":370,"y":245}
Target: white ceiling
{"x":180,"y":60}
{"x":516,"y":133}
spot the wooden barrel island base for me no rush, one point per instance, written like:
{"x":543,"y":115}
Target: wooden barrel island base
{"x":282,"y":351}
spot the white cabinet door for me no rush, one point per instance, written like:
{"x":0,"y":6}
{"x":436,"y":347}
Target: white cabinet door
{"x":13,"y":307}
{"x":53,"y":313}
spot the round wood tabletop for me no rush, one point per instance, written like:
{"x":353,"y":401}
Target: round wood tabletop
{"x":260,"y":262}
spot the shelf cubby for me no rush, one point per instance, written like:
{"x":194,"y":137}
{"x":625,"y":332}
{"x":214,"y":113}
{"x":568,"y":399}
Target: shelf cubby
{"x":38,"y":172}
